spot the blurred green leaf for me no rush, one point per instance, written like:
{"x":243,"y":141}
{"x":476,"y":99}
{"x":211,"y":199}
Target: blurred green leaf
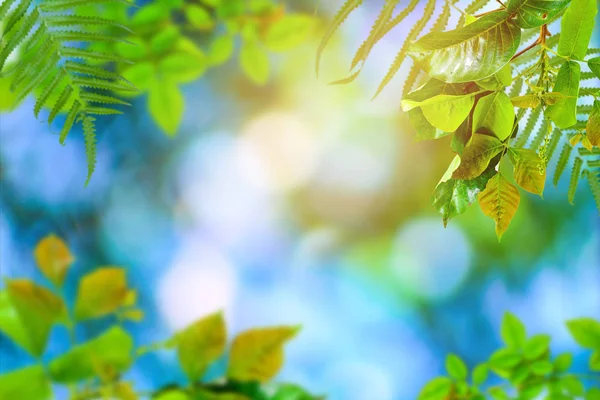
{"x":166,"y":105}
{"x":151,"y":14}
{"x":182,"y":67}
{"x":104,"y":356}
{"x":200,"y":344}
{"x":595,"y":361}
{"x":456,"y":367}
{"x":141,"y":75}
{"x":29,"y":383}
{"x":135,"y":50}
{"x":563,"y":362}
{"x":255,"y":62}
{"x":593,"y":394}
{"x":199,"y":17}
{"x":100,"y":293}
{"x":572,"y":385}
{"x":480,"y":374}
{"x":257,"y":354}
{"x":288,"y":391}
{"x":586,"y":332}
{"x":542,"y":367}
{"x":513,"y":331}
{"x":165,"y":40}
{"x":53,"y":258}
{"x":436,"y":389}
{"x":221,"y":50}
{"x":10,"y":323}
{"x":289,"y":32}
{"x":536,"y":346}
{"x":172,"y":395}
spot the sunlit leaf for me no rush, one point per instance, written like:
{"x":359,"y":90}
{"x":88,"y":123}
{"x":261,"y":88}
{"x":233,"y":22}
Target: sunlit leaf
{"x":499,"y":80}
{"x":100,"y":293}
{"x":592,"y":127}
{"x":470,"y":53}
{"x":199,"y":17}
{"x":255,"y":62}
{"x":289,"y":31}
{"x":594,"y":65}
{"x":29,"y":383}
{"x":182,"y":67}
{"x":494,"y":115}
{"x":586,"y":332}
{"x":513,"y":331}
{"x":534,"y":13}
{"x":257,"y":354}
{"x":221,"y":50}
{"x":201,"y":344}
{"x":536,"y":346}
{"x":480,"y":374}
{"x":166,"y":105}
{"x":104,"y":356}
{"x":445,"y":112}
{"x":477,"y":156}
{"x":526,"y":101}
{"x":576,"y":28}
{"x":564,"y":112}
{"x":436,"y":389}
{"x":456,"y":367}
{"x":500,"y":201}
{"x":530,"y":170}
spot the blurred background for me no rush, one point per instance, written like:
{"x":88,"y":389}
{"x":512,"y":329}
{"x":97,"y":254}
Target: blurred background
{"x":297,"y":202}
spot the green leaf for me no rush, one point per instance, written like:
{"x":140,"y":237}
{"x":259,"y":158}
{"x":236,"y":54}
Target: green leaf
{"x":141,"y":75}
{"x":505,"y":359}
{"x":29,"y":383}
{"x":520,"y":374}
{"x":594,"y":65}
{"x":530,"y":170}
{"x":526,"y":101}
{"x":436,"y":389}
{"x":576,"y":28}
{"x":172,"y":395}
{"x":257,"y":354}
{"x":201,"y":344}
{"x":199,"y":17}
{"x":452,"y":196}
{"x":100,"y":293}
{"x":494,"y":115}
{"x":595,"y":361}
{"x":542,"y":367}
{"x":592,"y":127}
{"x":513,"y":331}
{"x":53,"y":258}
{"x":165,"y":40}
{"x":586,"y":332}
{"x":477,"y":156}
{"x":150,"y":14}
{"x":500,"y":201}
{"x":221,"y":50}
{"x":10,"y":323}
{"x":480,"y":374}
{"x":288,"y":391}
{"x":470,"y":53}
{"x":445,"y":112}
{"x":498,"y":81}
{"x":593,"y":394}
{"x":456,"y":367}
{"x":564,"y":112}
{"x":536,"y":346}
{"x":563,"y":362}
{"x":255,"y":62}
{"x":425,"y":131}
{"x":289,"y":32}
{"x":572,"y":385}
{"x":38,"y":310}
{"x":166,"y":105}
{"x":534,"y":13}
{"x":104,"y":356}
{"x":182,"y":67}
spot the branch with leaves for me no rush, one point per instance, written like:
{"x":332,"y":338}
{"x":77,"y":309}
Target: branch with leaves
{"x":93,"y":369}
{"x":526,"y":367}
{"x":498,"y":104}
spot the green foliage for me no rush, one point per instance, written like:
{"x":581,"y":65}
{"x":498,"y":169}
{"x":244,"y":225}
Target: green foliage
{"x":499,"y":99}
{"x":526,"y":367}
{"x":28,"y":312}
{"x":46,"y":39}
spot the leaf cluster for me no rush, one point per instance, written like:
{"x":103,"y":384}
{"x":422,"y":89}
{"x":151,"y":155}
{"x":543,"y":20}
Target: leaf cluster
{"x":93,"y":369}
{"x":526,"y":367}
{"x":496,"y":99}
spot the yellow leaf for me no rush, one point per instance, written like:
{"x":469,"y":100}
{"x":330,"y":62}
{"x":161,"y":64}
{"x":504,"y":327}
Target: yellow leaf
{"x":133,"y":314}
{"x":130,"y":298}
{"x":53,"y":258}
{"x":530,"y":170}
{"x":100,"y":293}
{"x":526,"y":101}
{"x":257,"y":354}
{"x":38,"y":310}
{"x":500,"y":201}
{"x":200,"y":344}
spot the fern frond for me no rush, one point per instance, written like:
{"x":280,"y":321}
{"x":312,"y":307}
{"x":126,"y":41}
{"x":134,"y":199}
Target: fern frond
{"x":412,"y":35}
{"x":554,"y":140}
{"x":539,"y":135}
{"x":575,"y":174}
{"x":592,"y":51}
{"x":69,"y":121}
{"x":45,"y":95}
{"x":85,"y":54}
{"x":15,"y":40}
{"x":532,"y":121}
{"x":37,"y":79}
{"x":60,"y":102}
{"x":5,"y":6}
{"x":515,"y":89}
{"x":91,"y":70}
{"x":96,"y":83}
{"x":412,"y":76}
{"x":65,"y":5}
{"x":76,"y":36}
{"x":15,"y":16}
{"x":92,"y":97}
{"x":565,"y":154}
{"x":70,"y":20}
{"x":102,"y":111}
{"x":340,"y":17}
{"x":587,"y":76}
{"x":594,"y":183}
{"x":89,"y":136}
{"x":472,"y":8}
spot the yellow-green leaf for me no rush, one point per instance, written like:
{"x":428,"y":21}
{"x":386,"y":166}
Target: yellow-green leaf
{"x":526,"y":101}
{"x":576,"y":28}
{"x":564,"y":112}
{"x":445,"y":112}
{"x":289,"y":31}
{"x":166,"y":105}
{"x":10,"y":323}
{"x":530,"y":170}
{"x":494,"y":115}
{"x":29,"y":383}
{"x":38,"y":310}
{"x":199,"y":17}
{"x":257,"y":354}
{"x":500,"y":201}
{"x":255,"y":62}
{"x":100,"y":293}
{"x":53,"y":258}
{"x":200,"y":344}
{"x":221,"y":50}
{"x":592,"y":127}
{"x":477,"y":156}
{"x":104,"y":356}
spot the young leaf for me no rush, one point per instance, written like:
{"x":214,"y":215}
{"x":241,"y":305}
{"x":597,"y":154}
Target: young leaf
{"x":436,"y":389}
{"x":38,"y":310}
{"x":255,"y":62}
{"x":594,"y":65}
{"x":534,"y":13}
{"x":592,"y":127}
{"x":494,"y":115}
{"x":456,"y":367}
{"x":563,"y":362}
{"x":221,"y":49}
{"x":257,"y":354}
{"x":477,"y":155}
{"x":289,"y":32}
{"x":513,"y":331}
{"x":470,"y":53}
{"x":564,"y":112}
{"x":536,"y":346}
{"x":530,"y":170}
{"x":595,"y":361}
{"x":53,"y":258}
{"x":166,"y":105}
{"x":504,"y":360}
{"x":586,"y":332}
{"x":499,"y":201}
{"x":445,"y":112}
{"x":201,"y":344}
{"x":576,"y":28}
{"x":480,"y":374}
{"x":104,"y":356}
{"x":29,"y":383}
{"x":100,"y":293}
{"x":526,"y":101}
